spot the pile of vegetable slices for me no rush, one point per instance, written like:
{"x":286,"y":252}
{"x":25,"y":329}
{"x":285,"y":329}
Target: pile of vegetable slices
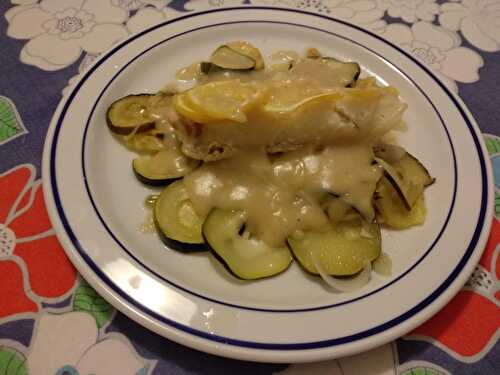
{"x":342,"y":256}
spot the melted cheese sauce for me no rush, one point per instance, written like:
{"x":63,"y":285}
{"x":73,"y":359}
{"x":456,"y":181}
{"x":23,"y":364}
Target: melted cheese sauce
{"x":286,"y":194}
{"x":170,"y":159}
{"x":307,"y":78}
{"x":282,"y":119}
{"x":283,"y":196}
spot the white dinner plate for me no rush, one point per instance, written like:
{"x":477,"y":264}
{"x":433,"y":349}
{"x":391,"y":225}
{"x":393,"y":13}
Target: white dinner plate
{"x":96,"y":204}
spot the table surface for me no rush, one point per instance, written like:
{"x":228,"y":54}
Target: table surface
{"x":53,"y":322}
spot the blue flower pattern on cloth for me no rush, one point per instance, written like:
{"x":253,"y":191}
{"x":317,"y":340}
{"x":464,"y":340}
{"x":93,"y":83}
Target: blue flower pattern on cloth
{"x":431,"y":30}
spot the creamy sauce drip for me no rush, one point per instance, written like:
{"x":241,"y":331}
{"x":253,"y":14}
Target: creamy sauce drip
{"x":169,"y":159}
{"x":284,"y":196}
{"x":148,"y":226}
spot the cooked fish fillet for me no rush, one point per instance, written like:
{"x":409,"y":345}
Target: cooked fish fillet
{"x":352,"y":113}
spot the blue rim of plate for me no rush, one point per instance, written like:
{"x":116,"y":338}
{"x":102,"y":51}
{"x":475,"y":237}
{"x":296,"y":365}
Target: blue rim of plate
{"x":279,"y":346}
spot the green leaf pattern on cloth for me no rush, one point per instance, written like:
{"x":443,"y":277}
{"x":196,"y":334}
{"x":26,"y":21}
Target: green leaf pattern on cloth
{"x":86,"y":299}
{"x":11,"y":124}
{"x":497,"y":204}
{"x":421,"y":371}
{"x":11,"y":362}
{"x":421,"y":368}
{"x":493,"y":146}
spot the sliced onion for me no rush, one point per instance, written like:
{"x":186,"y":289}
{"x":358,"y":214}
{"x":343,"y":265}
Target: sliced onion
{"x":343,"y":285}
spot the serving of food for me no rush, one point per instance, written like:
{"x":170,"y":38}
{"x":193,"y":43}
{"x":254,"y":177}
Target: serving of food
{"x":266,"y":161}
{"x":260,"y":199}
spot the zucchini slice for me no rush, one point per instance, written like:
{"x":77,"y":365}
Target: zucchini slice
{"x":179,"y":226}
{"x":408,"y":176}
{"x":393,"y":212}
{"x":234,"y":56}
{"x":206,"y":67}
{"x":145,"y":142}
{"x":389,"y":153}
{"x":130,"y":114}
{"x":408,"y":191}
{"x":342,"y":251}
{"x":414,"y":170}
{"x":347,"y":72}
{"x":163,"y":168}
{"x":227,"y":58}
{"x":245,"y":258}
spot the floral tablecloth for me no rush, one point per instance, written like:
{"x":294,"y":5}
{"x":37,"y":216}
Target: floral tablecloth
{"x":53,"y":322}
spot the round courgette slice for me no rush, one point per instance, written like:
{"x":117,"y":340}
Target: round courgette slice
{"x":227,"y":58}
{"x":342,"y":251}
{"x":234,"y":56}
{"x":163,"y":168}
{"x":407,"y":175}
{"x":346,"y":72}
{"x":130,"y":114}
{"x":246,"y":258}
{"x":178,"y":224}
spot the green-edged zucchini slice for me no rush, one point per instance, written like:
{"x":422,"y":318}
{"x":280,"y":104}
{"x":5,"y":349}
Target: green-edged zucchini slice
{"x":389,"y":153}
{"x":163,"y":167}
{"x":130,"y":114}
{"x":347,"y":72}
{"x":408,"y":191}
{"x":406,"y":163}
{"x":227,"y":58}
{"x":246,"y":258}
{"x":177,"y":222}
{"x":145,"y":142}
{"x":342,"y":251}
{"x":234,"y":56}
{"x":407,"y":175}
{"x":392,"y":212}
{"x":414,"y":170}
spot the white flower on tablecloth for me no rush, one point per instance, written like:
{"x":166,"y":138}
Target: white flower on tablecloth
{"x":136,"y":4}
{"x":23,"y":2}
{"x":69,"y":344}
{"x":279,"y":3}
{"x":380,"y":360}
{"x":477,"y":20}
{"x":59,"y":31}
{"x":410,"y":10}
{"x":197,"y":5}
{"x":359,"y":12}
{"x":147,"y":17}
{"x":439,"y":49}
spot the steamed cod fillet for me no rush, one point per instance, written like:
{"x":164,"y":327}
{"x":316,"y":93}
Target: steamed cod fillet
{"x":337,"y":115}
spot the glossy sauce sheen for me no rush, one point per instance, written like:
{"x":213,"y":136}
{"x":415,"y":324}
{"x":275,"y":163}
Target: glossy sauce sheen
{"x":284,"y":196}
{"x":307,"y":104}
